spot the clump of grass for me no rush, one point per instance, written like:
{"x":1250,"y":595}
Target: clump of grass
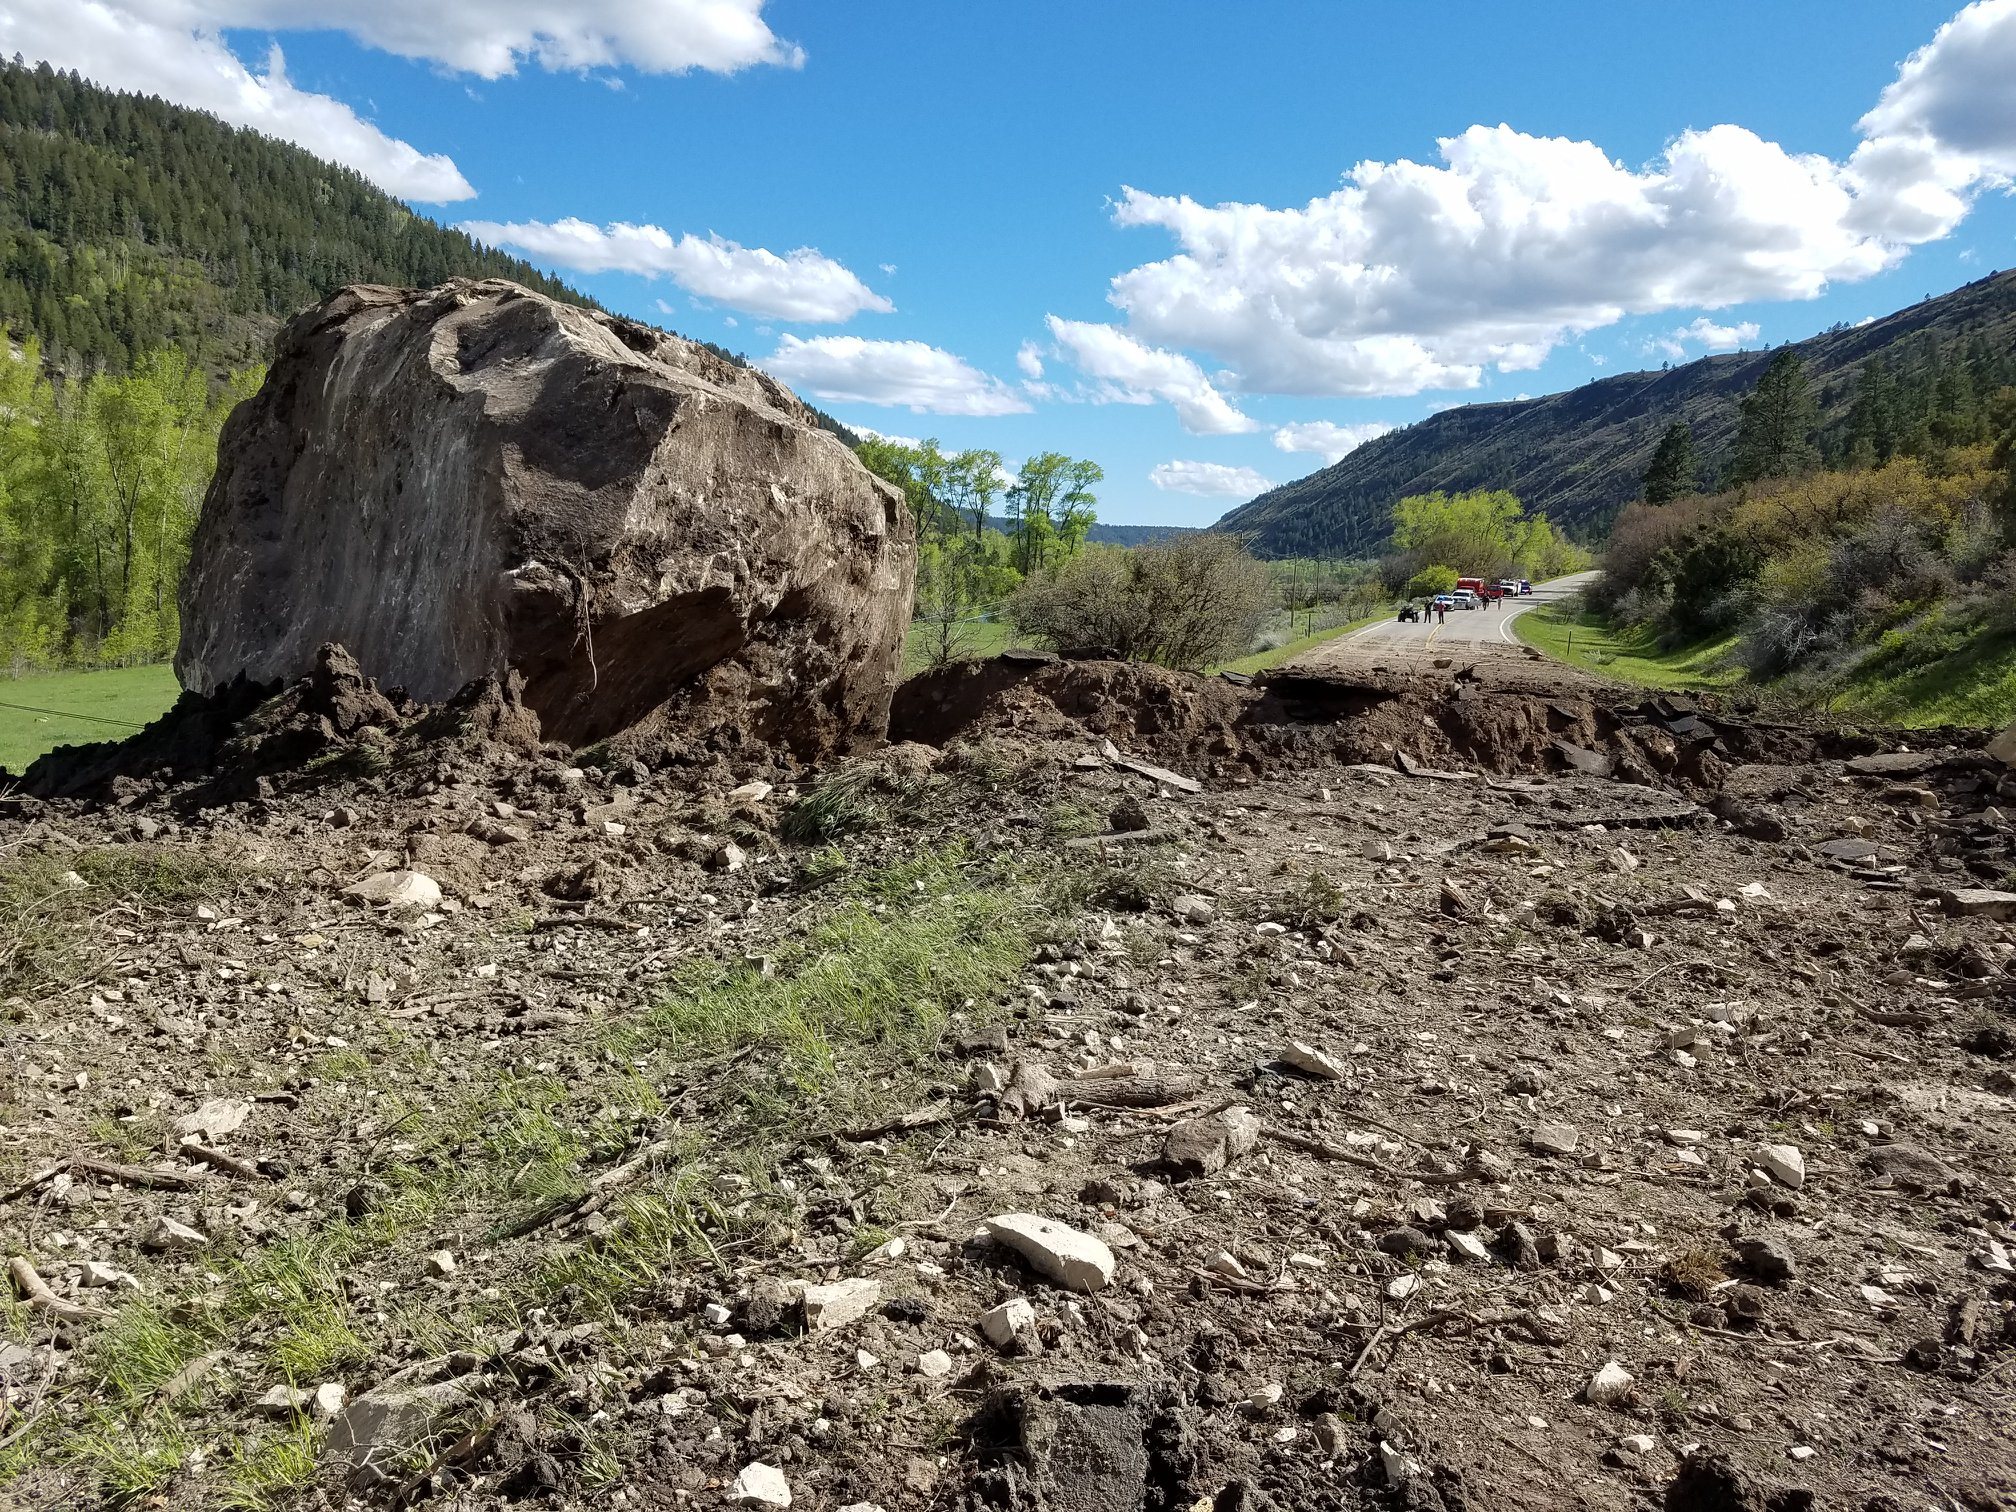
{"x":857,"y":798}
{"x":874,"y":984}
{"x":46,"y":915}
{"x":1314,"y":901}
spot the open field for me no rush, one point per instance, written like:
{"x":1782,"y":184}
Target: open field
{"x":37,"y":714}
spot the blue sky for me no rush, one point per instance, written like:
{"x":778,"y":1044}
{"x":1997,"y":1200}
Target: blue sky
{"x":958,"y":170}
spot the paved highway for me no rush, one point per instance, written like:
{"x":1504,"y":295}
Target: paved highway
{"x":1468,"y":635}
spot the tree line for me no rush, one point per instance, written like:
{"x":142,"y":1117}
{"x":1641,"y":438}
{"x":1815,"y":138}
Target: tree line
{"x":101,"y":480}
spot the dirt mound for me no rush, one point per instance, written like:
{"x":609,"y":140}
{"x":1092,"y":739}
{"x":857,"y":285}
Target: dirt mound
{"x":244,"y":740}
{"x":1227,"y":729}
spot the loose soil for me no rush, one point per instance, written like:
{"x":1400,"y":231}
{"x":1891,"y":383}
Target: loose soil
{"x":547,"y":1163}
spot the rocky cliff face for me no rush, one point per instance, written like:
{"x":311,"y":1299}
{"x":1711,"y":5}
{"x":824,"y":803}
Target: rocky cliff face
{"x":455,"y":482}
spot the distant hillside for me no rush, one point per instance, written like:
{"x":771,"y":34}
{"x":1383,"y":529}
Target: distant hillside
{"x":1578,"y":456}
{"x":128,"y":224}
{"x":1107,"y":535}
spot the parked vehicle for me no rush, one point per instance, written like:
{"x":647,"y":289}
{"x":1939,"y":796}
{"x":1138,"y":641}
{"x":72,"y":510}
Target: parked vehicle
{"x":1464,"y":598}
{"x":1470,"y":585}
{"x":1525,"y":587}
{"x":1409,"y":615}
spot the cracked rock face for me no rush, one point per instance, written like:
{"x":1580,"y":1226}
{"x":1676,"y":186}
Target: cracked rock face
{"x":472,"y":478}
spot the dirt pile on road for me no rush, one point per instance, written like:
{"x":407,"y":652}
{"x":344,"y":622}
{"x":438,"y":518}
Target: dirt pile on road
{"x":474,"y":480}
{"x":1230,"y":727}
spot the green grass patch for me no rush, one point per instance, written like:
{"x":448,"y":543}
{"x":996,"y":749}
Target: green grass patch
{"x":1946,"y":672}
{"x":37,"y":714}
{"x":976,"y":639}
{"x":875,"y":985}
{"x":1570,"y":633}
{"x":1267,"y":661}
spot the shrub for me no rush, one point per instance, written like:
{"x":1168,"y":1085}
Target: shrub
{"x":1184,"y":602}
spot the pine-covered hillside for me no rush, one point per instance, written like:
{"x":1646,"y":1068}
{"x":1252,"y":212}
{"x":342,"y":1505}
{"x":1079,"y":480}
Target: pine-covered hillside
{"x":1579,"y":456}
{"x":128,"y":224}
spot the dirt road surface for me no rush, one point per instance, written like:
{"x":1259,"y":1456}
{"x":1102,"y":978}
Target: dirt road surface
{"x":1480,"y":638}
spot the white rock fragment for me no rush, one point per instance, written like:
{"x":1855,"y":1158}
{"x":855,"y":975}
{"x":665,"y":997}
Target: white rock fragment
{"x":1075,"y":1261}
{"x":1313,"y":1062}
{"x":1609,"y":1385}
{"x":214,"y":1119}
{"x":1002,"y":1324}
{"x":1637,"y":1443}
{"x":749,"y":792}
{"x":1784,"y":1165}
{"x":441,"y":1264}
{"x":1554,"y":1138}
{"x":396,"y":889}
{"x":843,"y":1302}
{"x":1399,"y":1466}
{"x":934,"y":1364}
{"x":760,"y":1485}
{"x":327,"y":1401}
{"x":281,"y":1401}
{"x":98,"y":1273}
{"x":167,"y":1234}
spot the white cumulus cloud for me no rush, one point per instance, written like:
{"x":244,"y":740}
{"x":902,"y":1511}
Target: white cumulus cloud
{"x":134,"y":48}
{"x":804,"y":285}
{"x":1327,"y":439}
{"x":175,"y":49}
{"x":1707,"y":335}
{"x":1412,"y":276}
{"x":1208,"y":480}
{"x":1130,"y":372}
{"x":910,"y":375}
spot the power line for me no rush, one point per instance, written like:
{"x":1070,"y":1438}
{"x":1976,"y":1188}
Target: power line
{"x":117,"y":724}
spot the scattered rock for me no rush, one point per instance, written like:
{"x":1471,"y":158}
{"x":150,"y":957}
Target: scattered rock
{"x":760,"y":1485}
{"x":1979,"y":903}
{"x":1002,"y":1324}
{"x":1075,"y":1261}
{"x":1767,"y":1259}
{"x":1609,"y":1385}
{"x":1912,"y":1167}
{"x":1202,"y":1146}
{"x":1313,"y":1062}
{"x":281,"y":1401}
{"x":213,"y":1120}
{"x":1784,"y":1164}
{"x":441,"y":1264}
{"x":381,"y":1426}
{"x":166,"y":1233}
{"x":934,"y":1364}
{"x":836,"y":1305}
{"x":1554,"y":1138}
{"x":396,"y":890}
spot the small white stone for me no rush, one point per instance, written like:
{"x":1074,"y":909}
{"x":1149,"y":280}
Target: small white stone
{"x":1307,"y":1058}
{"x":1638,"y":1443}
{"x":842,"y":1302}
{"x":1784,"y":1164}
{"x":934,"y":1363}
{"x":441,"y":1264}
{"x":1002,"y":1324}
{"x":167,"y":1234}
{"x":760,"y":1485}
{"x":1608,"y":1385}
{"x":1802,"y":1451}
{"x":1076,"y":1261}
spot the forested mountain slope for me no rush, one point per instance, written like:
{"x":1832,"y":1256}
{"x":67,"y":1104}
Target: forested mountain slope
{"x":128,"y":224}
{"x":1578,"y":456}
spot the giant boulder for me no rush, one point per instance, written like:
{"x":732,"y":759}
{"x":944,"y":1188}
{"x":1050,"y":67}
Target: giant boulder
{"x":472,"y":478}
